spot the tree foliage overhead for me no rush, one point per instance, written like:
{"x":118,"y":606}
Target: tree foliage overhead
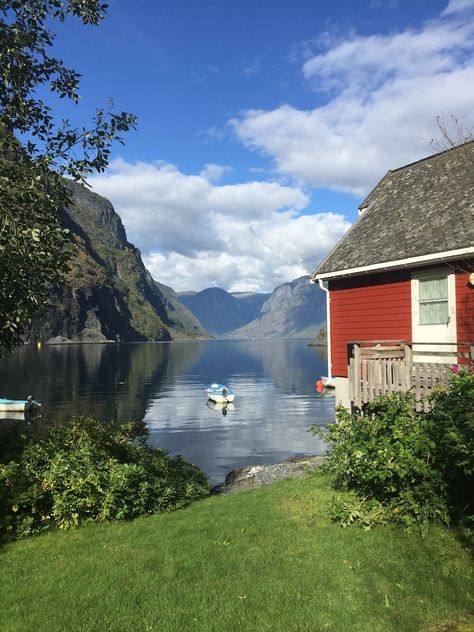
{"x":37,"y":151}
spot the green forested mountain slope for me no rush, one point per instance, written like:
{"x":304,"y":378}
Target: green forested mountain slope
{"x":108,"y":294}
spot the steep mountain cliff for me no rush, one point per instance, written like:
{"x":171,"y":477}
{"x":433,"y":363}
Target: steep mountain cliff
{"x":293,"y":310}
{"x":108,"y":294}
{"x":220,"y":311}
{"x":185,"y":324}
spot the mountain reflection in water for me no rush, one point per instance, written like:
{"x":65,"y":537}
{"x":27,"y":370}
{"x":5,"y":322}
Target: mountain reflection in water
{"x":164,"y":385}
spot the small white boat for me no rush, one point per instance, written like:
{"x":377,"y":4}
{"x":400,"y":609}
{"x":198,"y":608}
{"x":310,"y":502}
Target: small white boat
{"x":18,"y":405}
{"x":220,"y":393}
{"x":222,"y":407}
{"x":14,"y":416}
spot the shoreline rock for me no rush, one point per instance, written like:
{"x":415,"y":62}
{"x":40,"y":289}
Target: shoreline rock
{"x":254,"y":476}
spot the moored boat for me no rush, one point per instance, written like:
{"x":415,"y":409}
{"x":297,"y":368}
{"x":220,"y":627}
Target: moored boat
{"x":18,"y":405}
{"x":222,"y":407}
{"x":220,"y":393}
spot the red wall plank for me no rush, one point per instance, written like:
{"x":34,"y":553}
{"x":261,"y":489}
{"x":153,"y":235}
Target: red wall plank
{"x":378,"y":307}
{"x":373,"y":307}
{"x":464,"y":308}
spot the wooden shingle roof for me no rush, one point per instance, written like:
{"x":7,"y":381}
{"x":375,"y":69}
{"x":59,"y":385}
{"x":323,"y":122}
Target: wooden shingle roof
{"x":422,"y":209}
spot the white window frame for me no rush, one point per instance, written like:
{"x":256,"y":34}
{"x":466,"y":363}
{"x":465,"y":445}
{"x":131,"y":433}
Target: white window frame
{"x":426,"y":275}
{"x":428,"y":335}
{"x":433,"y":277}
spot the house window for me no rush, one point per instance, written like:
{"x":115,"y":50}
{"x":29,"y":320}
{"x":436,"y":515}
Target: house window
{"x":434,"y":306}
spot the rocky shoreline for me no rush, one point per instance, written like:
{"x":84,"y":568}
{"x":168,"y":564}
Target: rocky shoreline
{"x":253,"y":476}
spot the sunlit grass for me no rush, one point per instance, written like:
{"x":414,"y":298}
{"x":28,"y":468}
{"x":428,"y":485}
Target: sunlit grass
{"x":267,"y":559}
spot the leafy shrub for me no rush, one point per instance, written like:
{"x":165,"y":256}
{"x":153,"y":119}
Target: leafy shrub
{"x":89,"y":471}
{"x":405,"y":466}
{"x":363,"y":512}
{"x":385,"y":455}
{"x":452,"y":430}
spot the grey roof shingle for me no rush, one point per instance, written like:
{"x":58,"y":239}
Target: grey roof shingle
{"x":424,"y":208}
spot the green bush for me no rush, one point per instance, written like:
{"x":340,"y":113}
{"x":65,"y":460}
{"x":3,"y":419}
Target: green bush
{"x":88,"y":471}
{"x":452,"y":430}
{"x":386,"y":456}
{"x":404,"y":466}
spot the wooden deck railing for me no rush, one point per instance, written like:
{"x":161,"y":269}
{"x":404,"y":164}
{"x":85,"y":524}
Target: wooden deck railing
{"x":380,"y":367}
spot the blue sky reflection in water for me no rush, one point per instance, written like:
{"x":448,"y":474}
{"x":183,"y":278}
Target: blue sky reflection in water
{"x":164,"y":385}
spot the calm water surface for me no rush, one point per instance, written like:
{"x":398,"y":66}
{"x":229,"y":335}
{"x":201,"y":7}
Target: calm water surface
{"x":163,"y":384}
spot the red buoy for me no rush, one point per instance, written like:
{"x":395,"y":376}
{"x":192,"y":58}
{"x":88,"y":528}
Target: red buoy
{"x":319,"y":386}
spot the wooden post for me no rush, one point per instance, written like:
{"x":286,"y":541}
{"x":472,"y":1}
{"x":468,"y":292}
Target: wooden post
{"x":384,"y":363}
{"x":408,"y":367}
{"x":364,"y":380}
{"x":377,"y":377}
{"x":350,"y":376}
{"x":371,"y":379}
{"x":356,"y":376}
{"x":416,"y":368}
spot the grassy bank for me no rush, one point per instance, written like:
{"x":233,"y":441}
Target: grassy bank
{"x":262,"y":560}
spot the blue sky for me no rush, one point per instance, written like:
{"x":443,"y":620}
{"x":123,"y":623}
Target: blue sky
{"x":262,"y":125}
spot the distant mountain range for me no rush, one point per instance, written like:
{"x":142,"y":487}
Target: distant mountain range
{"x":293,"y":310}
{"x":108,"y":294}
{"x":221,"y":312}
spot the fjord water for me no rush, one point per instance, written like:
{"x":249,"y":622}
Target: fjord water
{"x":163,"y":384}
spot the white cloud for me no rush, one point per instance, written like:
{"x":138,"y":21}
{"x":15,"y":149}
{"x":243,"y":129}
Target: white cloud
{"x":376,"y":102}
{"x":382,"y":95}
{"x":361,"y":63}
{"x":253,"y":68}
{"x":457,"y":6}
{"x":195,"y":234}
{"x":255,"y":199}
{"x":213,"y":172}
{"x":257,"y":257}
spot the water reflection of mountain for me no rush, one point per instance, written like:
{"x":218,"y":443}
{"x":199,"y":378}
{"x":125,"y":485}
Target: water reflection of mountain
{"x":275,"y":404}
{"x":164,"y":385}
{"x":221,"y":360}
{"x":282,"y":361}
{"x":114,"y":382}
{"x":277,"y":359}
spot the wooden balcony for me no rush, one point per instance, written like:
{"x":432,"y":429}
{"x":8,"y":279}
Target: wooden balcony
{"x":380,"y":367}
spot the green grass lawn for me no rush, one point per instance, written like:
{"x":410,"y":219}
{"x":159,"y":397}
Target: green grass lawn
{"x":267,"y":559}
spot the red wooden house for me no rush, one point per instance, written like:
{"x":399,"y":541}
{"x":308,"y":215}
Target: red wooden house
{"x":400,"y":283}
